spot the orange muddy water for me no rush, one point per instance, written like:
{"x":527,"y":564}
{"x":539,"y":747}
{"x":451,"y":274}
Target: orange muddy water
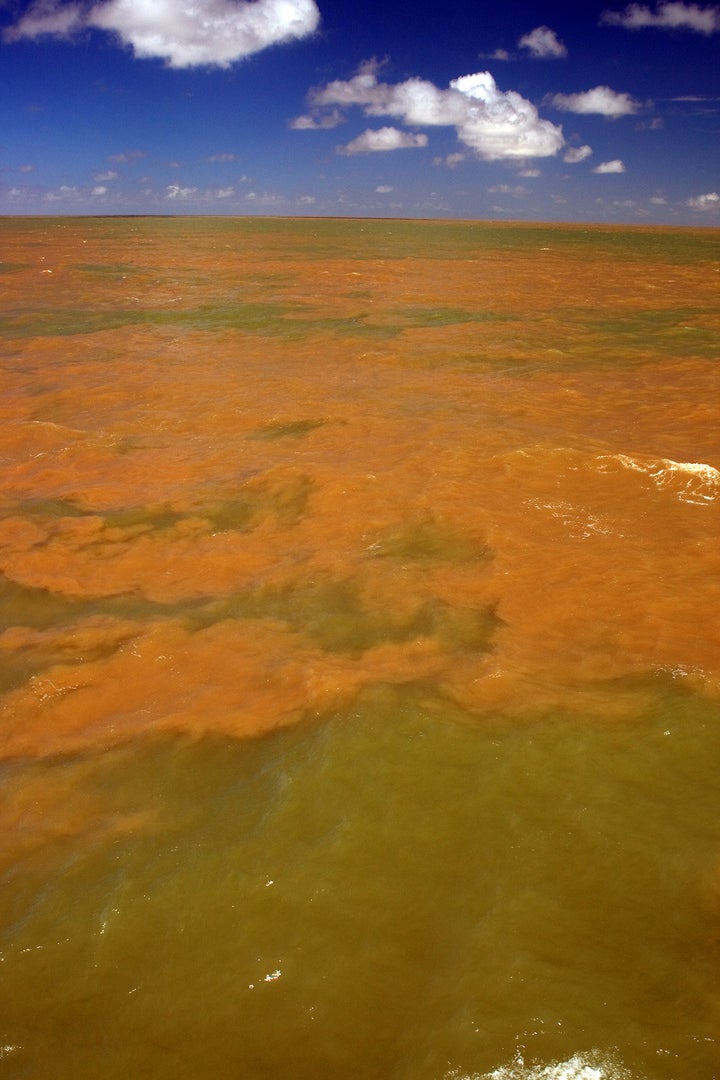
{"x":360,"y":650}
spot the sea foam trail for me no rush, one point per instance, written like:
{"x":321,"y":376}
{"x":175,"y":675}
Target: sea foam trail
{"x":592,"y":1066}
{"x":692,"y":481}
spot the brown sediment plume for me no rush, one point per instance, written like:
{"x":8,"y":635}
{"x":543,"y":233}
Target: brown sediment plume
{"x":249,"y":472}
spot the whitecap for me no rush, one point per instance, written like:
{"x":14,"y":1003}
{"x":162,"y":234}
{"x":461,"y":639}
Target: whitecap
{"x":691,"y":481}
{"x":590,"y":1066}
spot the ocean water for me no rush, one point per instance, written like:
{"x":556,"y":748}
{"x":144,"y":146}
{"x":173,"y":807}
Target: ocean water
{"x":359,"y":650}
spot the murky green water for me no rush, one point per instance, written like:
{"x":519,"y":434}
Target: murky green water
{"x":387,"y":893}
{"x":359,"y":652}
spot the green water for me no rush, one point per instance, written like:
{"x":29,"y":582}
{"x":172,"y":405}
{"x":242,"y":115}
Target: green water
{"x":471,"y":893}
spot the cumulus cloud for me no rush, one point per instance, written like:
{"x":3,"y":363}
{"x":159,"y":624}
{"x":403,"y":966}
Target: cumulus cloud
{"x":323,"y":121}
{"x":384,"y":189}
{"x":175,"y":191}
{"x":205,"y":33}
{"x":106,"y":176}
{"x":601,"y":100}
{"x":543,"y":44}
{"x":710,"y":201}
{"x":615,"y":166}
{"x":385,"y":138}
{"x":495,"y":124}
{"x":668,"y":15}
{"x":451,"y":160}
{"x":575,"y":154}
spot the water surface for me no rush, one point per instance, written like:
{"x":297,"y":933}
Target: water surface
{"x":359,"y":652}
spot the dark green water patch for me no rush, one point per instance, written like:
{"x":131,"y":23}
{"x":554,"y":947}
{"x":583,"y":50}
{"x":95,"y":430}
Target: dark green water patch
{"x":675,"y":333}
{"x":288,"y":321}
{"x":112,"y":271}
{"x":284,"y":497}
{"x":42,"y":609}
{"x":429,"y":541}
{"x":40,"y":509}
{"x":292,"y":429}
{"x":427,"y":317}
{"x":333,"y":613}
{"x":249,"y":317}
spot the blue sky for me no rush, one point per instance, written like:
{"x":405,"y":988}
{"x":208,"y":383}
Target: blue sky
{"x":575,"y":111}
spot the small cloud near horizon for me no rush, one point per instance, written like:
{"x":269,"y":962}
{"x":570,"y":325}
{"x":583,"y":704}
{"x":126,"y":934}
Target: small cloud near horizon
{"x":710,"y":201}
{"x":127,"y":156}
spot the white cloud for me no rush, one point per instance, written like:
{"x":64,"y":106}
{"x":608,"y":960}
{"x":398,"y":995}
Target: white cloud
{"x":322,"y":121}
{"x":221,"y":158}
{"x":99,"y":190}
{"x":543,"y":44}
{"x":265,"y":199}
{"x":384,"y":189}
{"x":601,"y":100}
{"x":495,"y":124}
{"x":47,"y":17}
{"x":386,"y":138}
{"x":507,"y":189}
{"x":65,"y":191}
{"x":668,"y":15}
{"x":451,"y":160}
{"x":530,"y":173}
{"x":655,"y":124}
{"x":127,"y":156}
{"x":207,"y":32}
{"x":615,"y":166}
{"x":575,"y":154}
{"x":175,"y":191}
{"x":710,"y":201}
{"x":498,"y":54}
{"x":104,"y":177}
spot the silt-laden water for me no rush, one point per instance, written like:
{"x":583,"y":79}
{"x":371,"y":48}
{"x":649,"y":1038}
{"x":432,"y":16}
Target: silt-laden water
{"x":360,"y":653}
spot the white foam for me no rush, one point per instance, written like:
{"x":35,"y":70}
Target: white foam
{"x":693,"y":481}
{"x":591,"y":1066}
{"x":579,"y":521}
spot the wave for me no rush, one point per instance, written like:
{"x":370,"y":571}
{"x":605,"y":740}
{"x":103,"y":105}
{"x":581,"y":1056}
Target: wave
{"x":691,"y":481}
{"x":591,"y":1066}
